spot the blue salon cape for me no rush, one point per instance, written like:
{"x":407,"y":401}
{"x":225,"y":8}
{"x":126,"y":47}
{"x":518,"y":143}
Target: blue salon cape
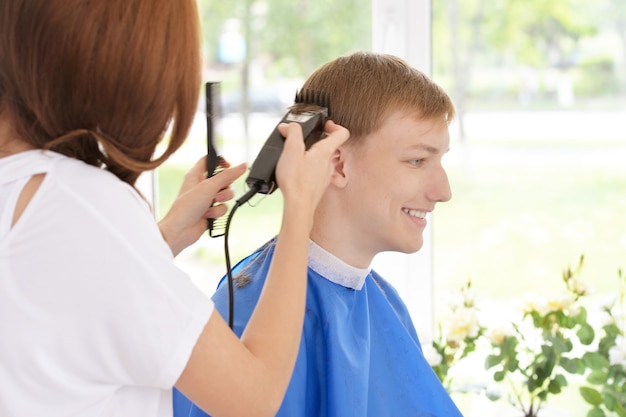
{"x":359,"y":355}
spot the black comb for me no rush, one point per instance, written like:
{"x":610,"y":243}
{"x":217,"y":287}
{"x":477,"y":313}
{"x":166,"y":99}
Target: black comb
{"x":311,"y":109}
{"x":217,"y":226}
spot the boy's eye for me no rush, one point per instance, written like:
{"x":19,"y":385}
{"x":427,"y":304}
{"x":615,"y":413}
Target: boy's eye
{"x":415,"y":162}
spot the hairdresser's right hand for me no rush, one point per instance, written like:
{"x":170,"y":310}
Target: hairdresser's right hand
{"x":305,"y":175}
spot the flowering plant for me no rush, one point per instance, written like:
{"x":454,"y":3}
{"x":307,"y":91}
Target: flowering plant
{"x":608,"y":363}
{"x":535,"y":355}
{"x":457,"y":338}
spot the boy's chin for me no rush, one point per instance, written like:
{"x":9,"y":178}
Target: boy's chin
{"x":410,"y":247}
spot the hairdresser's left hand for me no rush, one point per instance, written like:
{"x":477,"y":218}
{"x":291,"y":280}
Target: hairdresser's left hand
{"x":186,"y":219}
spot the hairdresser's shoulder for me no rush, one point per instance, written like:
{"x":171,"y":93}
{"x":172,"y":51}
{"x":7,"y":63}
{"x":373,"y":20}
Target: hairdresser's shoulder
{"x":78,"y":184}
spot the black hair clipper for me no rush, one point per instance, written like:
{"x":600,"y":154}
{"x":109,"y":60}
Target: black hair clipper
{"x":311,"y":109}
{"x":216,"y":226}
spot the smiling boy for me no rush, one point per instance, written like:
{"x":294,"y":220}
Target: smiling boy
{"x":359,"y":354}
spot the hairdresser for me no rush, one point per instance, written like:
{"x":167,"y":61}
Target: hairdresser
{"x":95,"y":318}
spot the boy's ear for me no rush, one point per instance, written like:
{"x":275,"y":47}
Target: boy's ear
{"x":339,"y":178}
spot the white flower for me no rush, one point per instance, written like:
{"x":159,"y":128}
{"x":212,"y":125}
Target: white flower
{"x":432,"y":356}
{"x":560,"y":303}
{"x":617,"y":354}
{"x":464,"y":324}
{"x":534,"y":304}
{"x":498,"y":335}
{"x":577,"y":286}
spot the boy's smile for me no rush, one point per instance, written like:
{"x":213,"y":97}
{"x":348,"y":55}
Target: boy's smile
{"x":418,"y":217}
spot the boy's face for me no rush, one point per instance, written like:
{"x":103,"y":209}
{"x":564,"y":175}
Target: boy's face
{"x":394,"y":178}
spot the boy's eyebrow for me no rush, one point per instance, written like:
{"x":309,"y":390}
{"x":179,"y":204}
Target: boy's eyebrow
{"x":428,"y":148}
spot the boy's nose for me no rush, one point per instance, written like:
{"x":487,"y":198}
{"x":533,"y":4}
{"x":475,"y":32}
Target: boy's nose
{"x":440,"y":190}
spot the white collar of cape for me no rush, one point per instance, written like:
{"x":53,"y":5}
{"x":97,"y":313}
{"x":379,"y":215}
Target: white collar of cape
{"x":334,"y":269}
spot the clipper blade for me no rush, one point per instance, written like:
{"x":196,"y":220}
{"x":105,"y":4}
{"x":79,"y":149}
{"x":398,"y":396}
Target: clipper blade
{"x":313,"y":98}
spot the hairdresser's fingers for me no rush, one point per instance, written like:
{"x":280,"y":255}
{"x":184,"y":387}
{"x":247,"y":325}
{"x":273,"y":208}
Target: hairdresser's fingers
{"x":214,"y":189}
{"x":216,"y":211}
{"x":185,"y":222}
{"x":305,"y":175}
{"x":221,"y":162}
{"x":293,"y":151}
{"x":336,"y":135}
{"x":198,"y":173}
{"x":194,"y":176}
{"x":223,"y":179}
{"x":224,"y":195}
{"x":294,"y":140}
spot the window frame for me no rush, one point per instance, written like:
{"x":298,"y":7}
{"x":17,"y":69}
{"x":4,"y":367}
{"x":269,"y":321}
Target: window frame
{"x":404,"y":28}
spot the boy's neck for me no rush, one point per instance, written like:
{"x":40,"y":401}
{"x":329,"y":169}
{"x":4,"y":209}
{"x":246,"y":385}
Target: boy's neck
{"x":342,"y":247}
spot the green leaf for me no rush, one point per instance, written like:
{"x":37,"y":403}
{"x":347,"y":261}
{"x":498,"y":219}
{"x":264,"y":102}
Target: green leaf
{"x":561,"y":345}
{"x":536,"y":319}
{"x":493,"y":395}
{"x":581,"y":317}
{"x":612,"y":330}
{"x":512,"y":365}
{"x":508,"y":347}
{"x":610,"y":402}
{"x":595,"y":360}
{"x":591,"y":396}
{"x":580,"y":364}
{"x":492,"y":360}
{"x":561,"y":380}
{"x":569,"y":365}
{"x":498,"y":376}
{"x":596,"y":412}
{"x":554,"y":386}
{"x":597,"y":377}
{"x":585,"y":334}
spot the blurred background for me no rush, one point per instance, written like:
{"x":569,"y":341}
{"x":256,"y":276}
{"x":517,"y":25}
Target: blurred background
{"x":537,"y":154}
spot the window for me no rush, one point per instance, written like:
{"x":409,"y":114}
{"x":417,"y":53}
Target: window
{"x":536,"y":164}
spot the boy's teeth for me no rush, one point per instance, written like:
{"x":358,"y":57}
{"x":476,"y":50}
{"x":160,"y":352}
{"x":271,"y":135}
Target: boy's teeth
{"x":415,"y":213}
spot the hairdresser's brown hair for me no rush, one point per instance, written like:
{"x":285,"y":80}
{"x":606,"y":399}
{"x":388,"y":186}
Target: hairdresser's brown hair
{"x":101,"y":80}
{"x":364,"y":88}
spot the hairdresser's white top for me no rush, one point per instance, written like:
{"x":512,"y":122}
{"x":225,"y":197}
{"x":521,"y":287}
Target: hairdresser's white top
{"x":96,"y":319}
{"x":334,"y":269}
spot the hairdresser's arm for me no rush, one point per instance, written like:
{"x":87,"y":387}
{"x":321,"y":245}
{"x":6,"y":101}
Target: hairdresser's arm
{"x":186,"y":219}
{"x":229,"y":377}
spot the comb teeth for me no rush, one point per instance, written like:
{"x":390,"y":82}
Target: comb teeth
{"x":217,"y":227}
{"x":315,"y":97}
